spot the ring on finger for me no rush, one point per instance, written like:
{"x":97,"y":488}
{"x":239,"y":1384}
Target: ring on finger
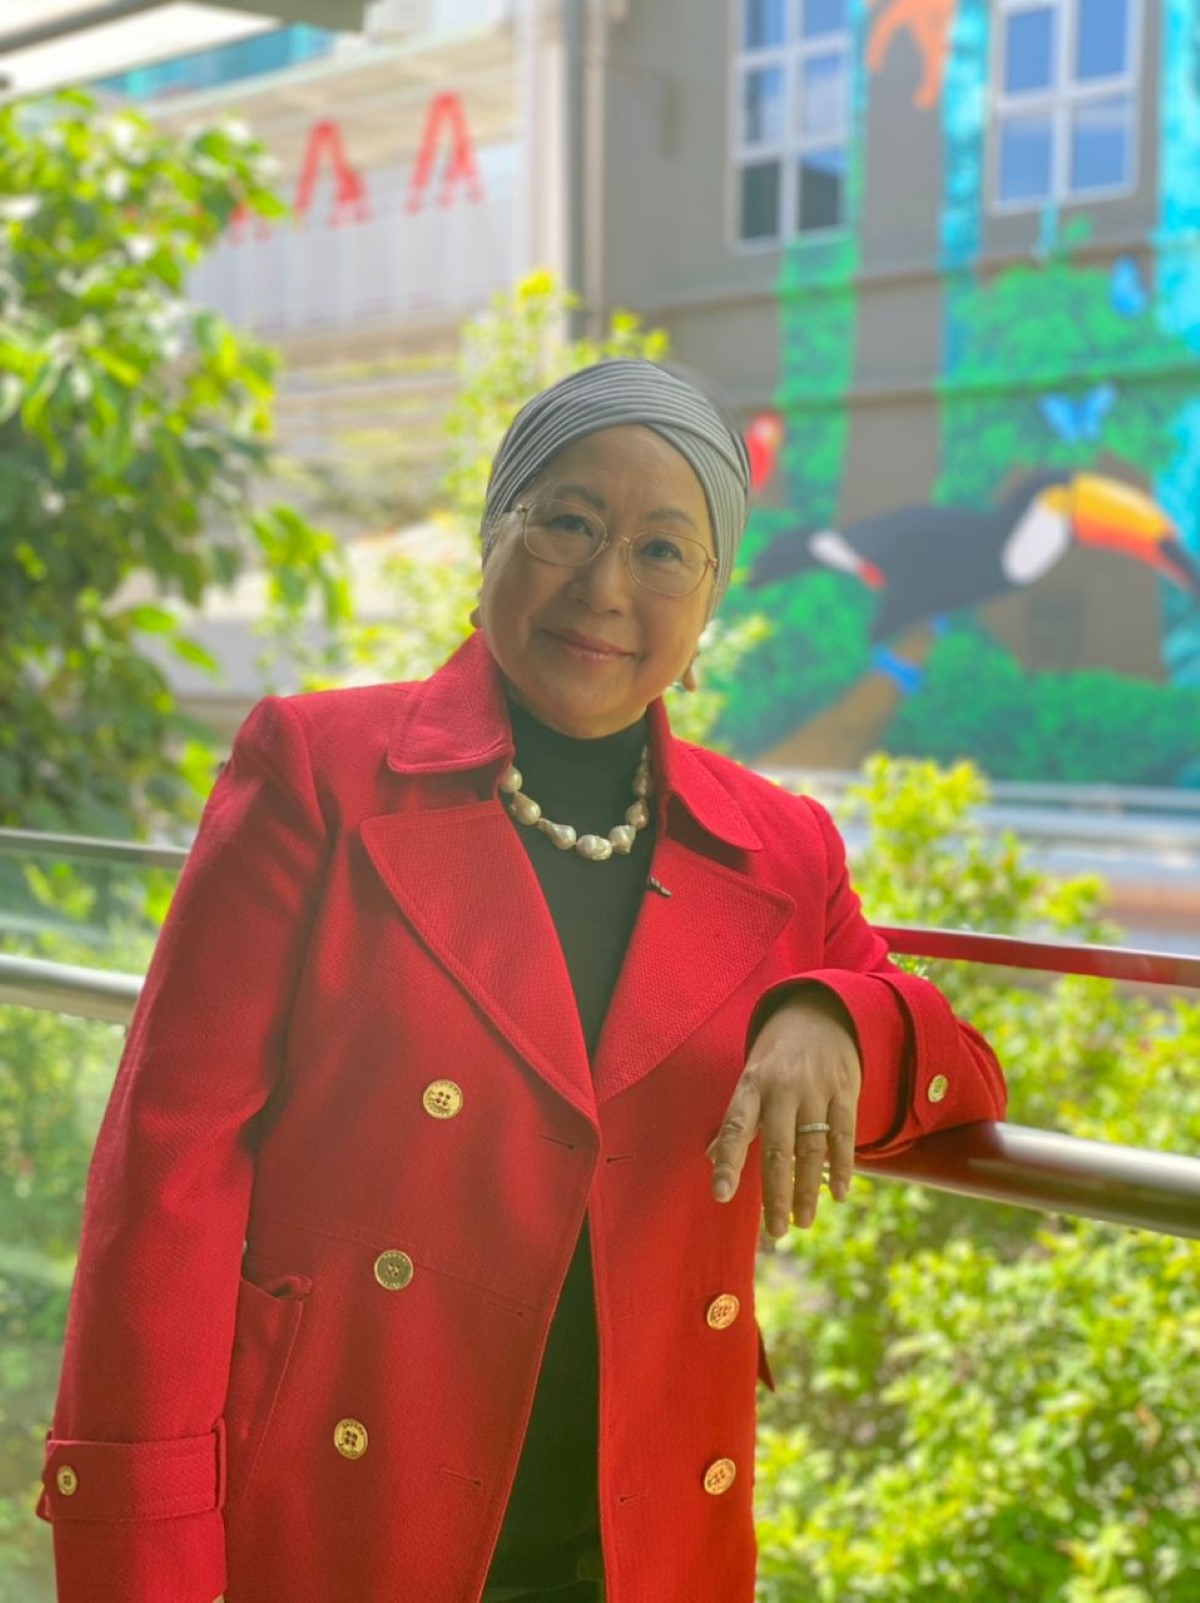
{"x":817,"y":1128}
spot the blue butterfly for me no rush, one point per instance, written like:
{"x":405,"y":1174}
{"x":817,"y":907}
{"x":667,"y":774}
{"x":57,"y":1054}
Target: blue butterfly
{"x":1078,"y":418}
{"x":909,"y":676}
{"x":1129,"y":294}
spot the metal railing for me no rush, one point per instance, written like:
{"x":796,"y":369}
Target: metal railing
{"x":1007,"y":1163}
{"x":91,"y":849}
{"x":1105,"y":819}
{"x":1127,"y":800}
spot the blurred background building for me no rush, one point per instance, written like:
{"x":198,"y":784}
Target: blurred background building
{"x":941,"y":254}
{"x":408,"y":157}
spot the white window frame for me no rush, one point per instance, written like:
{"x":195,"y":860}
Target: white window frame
{"x":1059,"y":102}
{"x":791,"y":57}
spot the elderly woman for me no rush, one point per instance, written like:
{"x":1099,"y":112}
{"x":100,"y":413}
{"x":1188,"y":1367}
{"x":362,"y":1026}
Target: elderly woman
{"x":419,"y":1244}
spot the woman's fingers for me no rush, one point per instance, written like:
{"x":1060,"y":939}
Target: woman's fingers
{"x":811,"y":1149}
{"x":800,"y":1089}
{"x":738,"y":1129}
{"x":843,"y":1112}
{"x":792,"y":1159}
{"x":780,"y":1152}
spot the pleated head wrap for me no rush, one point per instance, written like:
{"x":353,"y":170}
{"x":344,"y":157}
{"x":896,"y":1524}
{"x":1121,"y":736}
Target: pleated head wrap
{"x":615,"y":394}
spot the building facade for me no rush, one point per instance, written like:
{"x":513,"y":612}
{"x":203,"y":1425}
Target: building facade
{"x":403,"y":159}
{"x":945,"y":255}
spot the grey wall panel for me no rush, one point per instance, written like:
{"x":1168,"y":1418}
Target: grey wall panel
{"x":668,"y":159}
{"x":892,"y":457}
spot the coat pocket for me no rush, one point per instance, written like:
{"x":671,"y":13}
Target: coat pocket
{"x":270,"y":1308}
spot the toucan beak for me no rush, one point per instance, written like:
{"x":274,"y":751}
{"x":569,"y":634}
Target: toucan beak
{"x":832,"y":550}
{"x":1114,"y":517}
{"x":1178,"y":565}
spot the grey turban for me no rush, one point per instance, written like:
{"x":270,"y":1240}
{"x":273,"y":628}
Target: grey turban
{"x":613,"y":394}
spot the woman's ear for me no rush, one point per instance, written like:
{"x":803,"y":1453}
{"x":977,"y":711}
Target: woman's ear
{"x":688,"y":680}
{"x":475,"y":617}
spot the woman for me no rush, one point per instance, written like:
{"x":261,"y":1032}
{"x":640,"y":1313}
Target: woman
{"x":473,"y":996}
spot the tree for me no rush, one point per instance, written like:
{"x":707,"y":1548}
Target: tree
{"x":510,"y":353}
{"x":982,"y":1402}
{"x":133,"y":428}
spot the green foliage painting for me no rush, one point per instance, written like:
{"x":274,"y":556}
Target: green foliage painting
{"x":1070,"y":728}
{"x":1067,"y":370}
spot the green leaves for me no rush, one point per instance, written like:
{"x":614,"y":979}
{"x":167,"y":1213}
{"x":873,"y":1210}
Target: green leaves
{"x":980,"y":1402}
{"x":132,"y":428}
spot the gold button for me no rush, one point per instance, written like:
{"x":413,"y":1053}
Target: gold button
{"x":938,"y":1087}
{"x":393,"y":1270}
{"x":722,"y":1311}
{"x":442,"y":1099}
{"x":68,"y":1481}
{"x":719,"y":1476}
{"x":350,"y":1438}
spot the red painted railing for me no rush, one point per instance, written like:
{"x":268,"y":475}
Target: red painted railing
{"x":1037,"y":1168}
{"x":1055,"y":957}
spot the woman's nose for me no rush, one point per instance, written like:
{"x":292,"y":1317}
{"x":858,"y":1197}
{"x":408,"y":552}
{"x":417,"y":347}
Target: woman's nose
{"x":605,"y":581}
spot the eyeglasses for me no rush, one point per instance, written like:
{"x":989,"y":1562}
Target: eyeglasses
{"x":560,"y":533}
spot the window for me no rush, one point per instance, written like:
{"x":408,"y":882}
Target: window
{"x":792,"y":98}
{"x":1066,"y":100}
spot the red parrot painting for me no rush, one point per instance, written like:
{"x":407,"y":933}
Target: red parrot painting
{"x":764,"y":436}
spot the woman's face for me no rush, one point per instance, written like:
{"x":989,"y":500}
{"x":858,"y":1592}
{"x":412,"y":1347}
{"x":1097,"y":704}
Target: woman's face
{"x":586,"y":649}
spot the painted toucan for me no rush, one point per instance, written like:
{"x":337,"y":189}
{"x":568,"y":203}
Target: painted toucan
{"x":929,"y":560}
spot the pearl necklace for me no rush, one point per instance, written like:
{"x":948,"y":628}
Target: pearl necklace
{"x":596,"y":848}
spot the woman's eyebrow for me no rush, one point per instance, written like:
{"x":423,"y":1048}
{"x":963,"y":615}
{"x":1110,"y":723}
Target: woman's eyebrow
{"x":665,"y":514}
{"x":594,"y":498}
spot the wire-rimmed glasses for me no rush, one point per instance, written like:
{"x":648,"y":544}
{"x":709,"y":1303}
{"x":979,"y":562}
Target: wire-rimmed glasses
{"x":568,"y":536}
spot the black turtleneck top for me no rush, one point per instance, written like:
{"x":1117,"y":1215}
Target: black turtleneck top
{"x":551,"y":1533}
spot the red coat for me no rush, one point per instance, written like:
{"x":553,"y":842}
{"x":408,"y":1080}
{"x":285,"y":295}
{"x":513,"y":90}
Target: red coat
{"x":337,"y":1417}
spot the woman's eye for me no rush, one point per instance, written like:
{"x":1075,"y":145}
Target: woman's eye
{"x":662,"y":550}
{"x":569,"y":523}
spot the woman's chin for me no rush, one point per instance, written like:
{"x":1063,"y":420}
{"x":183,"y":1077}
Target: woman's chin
{"x":581,"y":716}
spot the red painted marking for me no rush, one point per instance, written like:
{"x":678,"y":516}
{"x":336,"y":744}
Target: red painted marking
{"x":350,"y":193}
{"x":445,"y":113}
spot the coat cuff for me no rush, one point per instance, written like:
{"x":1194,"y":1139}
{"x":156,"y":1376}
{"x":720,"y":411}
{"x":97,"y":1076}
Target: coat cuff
{"x":137,"y":1522}
{"x":881,"y":1025}
{"x":133,"y":1480}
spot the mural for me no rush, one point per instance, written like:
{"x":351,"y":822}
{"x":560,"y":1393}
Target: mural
{"x":1037,"y":606}
{"x":928,"y":22}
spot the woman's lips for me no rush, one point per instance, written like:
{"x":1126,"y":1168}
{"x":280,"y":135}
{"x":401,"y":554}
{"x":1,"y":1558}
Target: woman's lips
{"x":583,"y":648}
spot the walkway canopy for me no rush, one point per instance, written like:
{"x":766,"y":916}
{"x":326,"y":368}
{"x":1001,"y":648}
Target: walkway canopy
{"x":51,"y":44}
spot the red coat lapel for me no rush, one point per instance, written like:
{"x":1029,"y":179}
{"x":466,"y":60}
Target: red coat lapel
{"x":463,"y":881}
{"x":690,"y":951}
{"x":461,"y":878}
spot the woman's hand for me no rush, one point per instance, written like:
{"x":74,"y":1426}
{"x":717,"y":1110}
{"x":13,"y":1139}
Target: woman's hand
{"x":803,"y":1068}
